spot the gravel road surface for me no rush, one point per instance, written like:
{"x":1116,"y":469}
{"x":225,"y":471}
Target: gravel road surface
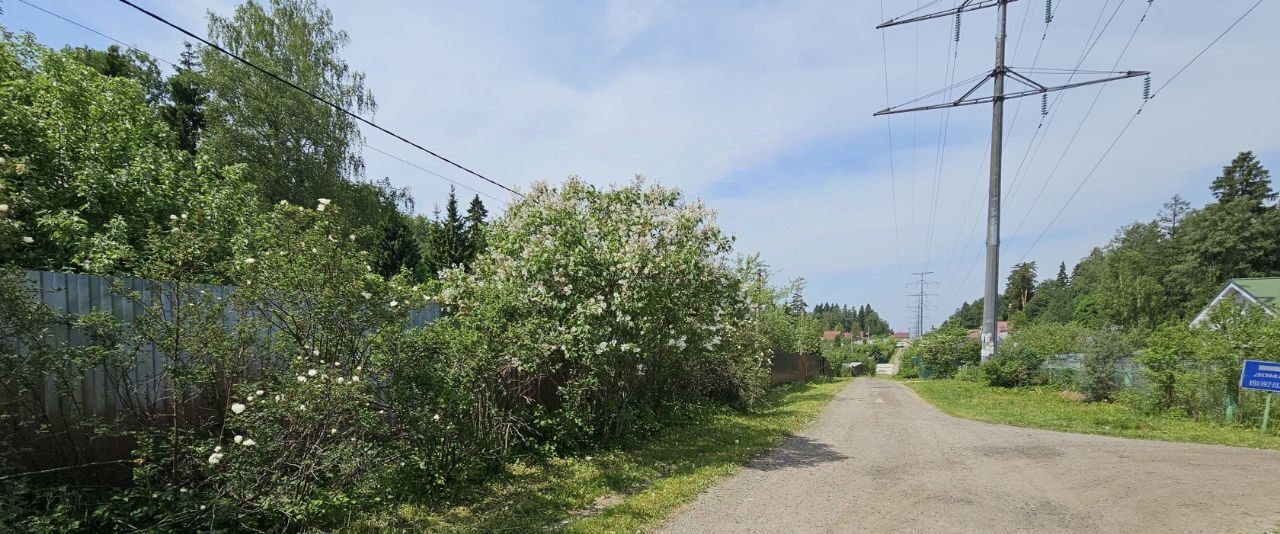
{"x":880,"y":459}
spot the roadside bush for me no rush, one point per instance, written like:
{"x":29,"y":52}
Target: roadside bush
{"x":909,"y":368}
{"x":944,"y":351}
{"x":1162,"y":362}
{"x":1102,"y":350}
{"x":624,"y":298}
{"x":1012,"y":366}
{"x":1047,"y":339}
{"x":301,"y":428}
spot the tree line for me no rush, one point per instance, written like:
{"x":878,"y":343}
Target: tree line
{"x":1155,"y":272}
{"x":841,"y":318}
{"x":1126,"y":307}
{"x":100,"y":147}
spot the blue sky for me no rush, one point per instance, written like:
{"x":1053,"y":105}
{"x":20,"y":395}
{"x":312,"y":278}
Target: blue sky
{"x":764,"y":110}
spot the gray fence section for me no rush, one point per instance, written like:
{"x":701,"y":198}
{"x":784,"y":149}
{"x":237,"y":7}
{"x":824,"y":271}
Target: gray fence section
{"x":96,"y":391}
{"x":1128,"y":372}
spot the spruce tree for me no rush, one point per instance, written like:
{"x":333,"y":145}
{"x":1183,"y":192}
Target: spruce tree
{"x":1244,"y":179}
{"x":187,"y":97}
{"x":476,"y":214}
{"x":397,"y":250}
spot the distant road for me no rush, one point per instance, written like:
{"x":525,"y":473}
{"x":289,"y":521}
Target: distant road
{"x":879,"y":459}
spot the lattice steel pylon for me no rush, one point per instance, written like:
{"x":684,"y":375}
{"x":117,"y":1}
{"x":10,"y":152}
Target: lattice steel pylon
{"x":921,"y":296}
{"x":997,"y":76}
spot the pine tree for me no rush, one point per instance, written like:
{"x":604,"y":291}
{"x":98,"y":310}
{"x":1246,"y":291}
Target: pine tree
{"x":187,"y":96}
{"x":446,"y":244}
{"x":1022,"y":281}
{"x":397,"y":250}
{"x":1244,"y":179}
{"x":1172,"y":215}
{"x":476,"y":214}
{"x":1063,"y":279}
{"x":797,"y":306}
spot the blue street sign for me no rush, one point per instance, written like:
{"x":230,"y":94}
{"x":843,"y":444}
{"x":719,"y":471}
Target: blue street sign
{"x":1259,"y":375}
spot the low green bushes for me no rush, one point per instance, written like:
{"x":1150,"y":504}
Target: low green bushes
{"x":1103,"y":349}
{"x":1013,"y":367}
{"x":943,"y":352}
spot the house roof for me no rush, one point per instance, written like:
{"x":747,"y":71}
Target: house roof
{"x":901,"y":335}
{"x":830,"y":335}
{"x":1264,"y":290}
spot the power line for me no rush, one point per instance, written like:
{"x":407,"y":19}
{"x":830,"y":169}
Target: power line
{"x":318,"y":98}
{"x":956,"y":243}
{"x":1124,"y":129}
{"x":945,"y":125}
{"x":1090,"y":42}
{"x":997,"y":75}
{"x":179,"y":67}
{"x":1097,"y":96}
{"x":893,"y":180}
{"x":433,"y":173}
{"x":99,"y":34}
{"x":1042,"y":129}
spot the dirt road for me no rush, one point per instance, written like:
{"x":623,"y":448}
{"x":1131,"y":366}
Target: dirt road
{"x":880,"y":459}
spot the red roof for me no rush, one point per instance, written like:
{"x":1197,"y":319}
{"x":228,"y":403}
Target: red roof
{"x":901,"y":335}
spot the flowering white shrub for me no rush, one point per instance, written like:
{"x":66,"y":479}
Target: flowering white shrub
{"x":607,"y":306}
{"x":297,"y":435}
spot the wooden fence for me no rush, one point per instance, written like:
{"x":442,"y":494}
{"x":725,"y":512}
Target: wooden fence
{"x":97,"y":393}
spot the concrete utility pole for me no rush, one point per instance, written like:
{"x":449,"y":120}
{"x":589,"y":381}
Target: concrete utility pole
{"x":990,"y":298}
{"x":920,"y":295}
{"x":990,"y":295}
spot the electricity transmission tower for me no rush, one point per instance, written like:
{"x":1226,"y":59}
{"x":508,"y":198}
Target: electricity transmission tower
{"x":920,"y":295}
{"x":997,"y":76}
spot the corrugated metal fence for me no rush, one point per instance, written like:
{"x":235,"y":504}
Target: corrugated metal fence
{"x":97,"y":392}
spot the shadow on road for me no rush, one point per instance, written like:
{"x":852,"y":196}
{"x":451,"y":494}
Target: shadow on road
{"x":797,"y":452}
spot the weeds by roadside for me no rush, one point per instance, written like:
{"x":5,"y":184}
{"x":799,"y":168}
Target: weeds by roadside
{"x":626,"y":489}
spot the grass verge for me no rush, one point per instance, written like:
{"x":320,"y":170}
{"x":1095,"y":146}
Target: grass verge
{"x":1050,"y":409}
{"x":629,"y":489}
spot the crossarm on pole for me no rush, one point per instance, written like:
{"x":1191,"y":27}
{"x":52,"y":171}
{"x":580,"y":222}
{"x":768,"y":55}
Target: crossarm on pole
{"x":1036,"y":90}
{"x":967,"y":5}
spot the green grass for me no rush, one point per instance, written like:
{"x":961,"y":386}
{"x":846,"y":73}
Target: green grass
{"x":629,"y":489}
{"x":1050,"y":409}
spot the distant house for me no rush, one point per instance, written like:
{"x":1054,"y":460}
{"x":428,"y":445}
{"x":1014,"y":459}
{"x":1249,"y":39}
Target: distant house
{"x":1002,"y":331}
{"x":832,"y":335}
{"x":901,"y":339}
{"x":1263,"y":292}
